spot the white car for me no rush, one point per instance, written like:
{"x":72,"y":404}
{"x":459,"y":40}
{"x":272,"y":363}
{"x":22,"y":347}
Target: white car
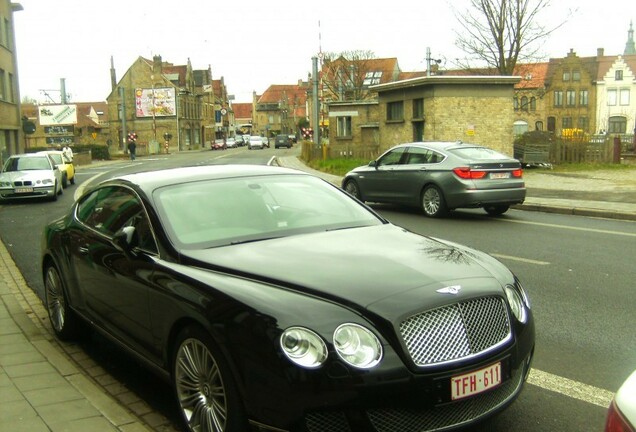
{"x":231,"y":142}
{"x":621,"y":416}
{"x":64,"y":164}
{"x":30,"y":175}
{"x":256,"y":142}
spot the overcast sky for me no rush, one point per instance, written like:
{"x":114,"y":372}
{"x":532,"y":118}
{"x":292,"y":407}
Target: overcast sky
{"x":253,"y":44}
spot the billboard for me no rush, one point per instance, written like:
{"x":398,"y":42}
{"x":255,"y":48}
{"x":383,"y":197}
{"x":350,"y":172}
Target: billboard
{"x":158,"y":102}
{"x":53,"y":115}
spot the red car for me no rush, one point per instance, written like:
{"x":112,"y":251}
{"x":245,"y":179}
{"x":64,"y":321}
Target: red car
{"x":218,"y":145}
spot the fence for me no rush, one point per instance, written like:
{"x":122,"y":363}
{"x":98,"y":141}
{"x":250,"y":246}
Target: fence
{"x":593,"y":149}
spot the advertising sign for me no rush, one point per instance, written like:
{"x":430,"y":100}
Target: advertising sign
{"x":53,"y":115}
{"x":158,"y":102}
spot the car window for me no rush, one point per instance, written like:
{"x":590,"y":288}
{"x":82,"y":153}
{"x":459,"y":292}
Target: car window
{"x":57,"y":158}
{"x":392,"y":157}
{"x":477,"y":153}
{"x":418,"y":155}
{"x":109,"y":209}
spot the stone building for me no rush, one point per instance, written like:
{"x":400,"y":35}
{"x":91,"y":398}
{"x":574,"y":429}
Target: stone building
{"x":279,"y":109}
{"x":11,"y":137}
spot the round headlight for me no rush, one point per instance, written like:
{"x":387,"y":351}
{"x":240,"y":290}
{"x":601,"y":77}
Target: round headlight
{"x":357,"y":346}
{"x":303,"y":347}
{"x":516,"y":303}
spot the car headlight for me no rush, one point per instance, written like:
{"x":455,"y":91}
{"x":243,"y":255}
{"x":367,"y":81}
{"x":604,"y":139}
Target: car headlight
{"x":517,"y":301}
{"x":47,"y":181}
{"x":357,"y":346}
{"x":303,"y":347}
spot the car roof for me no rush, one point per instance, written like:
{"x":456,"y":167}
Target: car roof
{"x":36,"y":154}
{"x":151,"y":180}
{"x":439,"y":145}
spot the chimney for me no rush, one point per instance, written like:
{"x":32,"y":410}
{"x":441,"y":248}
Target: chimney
{"x":600,"y":52}
{"x":113,"y":78}
{"x":156,"y":64}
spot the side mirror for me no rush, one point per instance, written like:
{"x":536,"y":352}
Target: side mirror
{"x":124,"y":239}
{"x":373,"y":163}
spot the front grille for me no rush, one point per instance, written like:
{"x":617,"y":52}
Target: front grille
{"x":449,"y":415}
{"x":327,"y":421}
{"x":456,"y":331}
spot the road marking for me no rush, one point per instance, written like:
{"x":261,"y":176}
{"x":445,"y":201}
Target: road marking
{"x":570,"y":388}
{"x":525,"y":260}
{"x":621,"y":233}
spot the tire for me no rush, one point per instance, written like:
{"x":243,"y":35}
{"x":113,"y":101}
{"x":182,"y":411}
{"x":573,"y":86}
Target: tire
{"x":206,"y":395}
{"x":496,"y":210}
{"x":65,"y":323}
{"x":64,"y":181}
{"x":433,"y":202}
{"x":73,"y":180}
{"x":351,"y":186}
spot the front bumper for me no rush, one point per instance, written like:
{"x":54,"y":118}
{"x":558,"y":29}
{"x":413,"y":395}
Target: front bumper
{"x":37,"y":192}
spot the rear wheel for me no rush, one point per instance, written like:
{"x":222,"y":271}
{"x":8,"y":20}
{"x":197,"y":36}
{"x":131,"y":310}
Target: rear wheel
{"x":206,"y":394}
{"x":64,"y":181}
{"x":433,"y":202}
{"x":64,"y":322}
{"x":496,"y":210}
{"x":73,"y":180}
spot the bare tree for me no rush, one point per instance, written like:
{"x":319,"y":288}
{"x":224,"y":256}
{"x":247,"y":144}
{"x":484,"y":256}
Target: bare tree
{"x":344,"y":75}
{"x":498,"y":34}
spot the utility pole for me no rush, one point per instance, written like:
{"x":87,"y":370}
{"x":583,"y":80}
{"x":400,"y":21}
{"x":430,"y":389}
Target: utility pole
{"x":122,"y":101}
{"x":315,"y":101}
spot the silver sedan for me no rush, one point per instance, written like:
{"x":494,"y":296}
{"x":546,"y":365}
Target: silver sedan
{"x":439,"y":177}
{"x":30,"y":176}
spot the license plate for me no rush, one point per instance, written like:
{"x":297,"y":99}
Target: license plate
{"x":23,"y":190}
{"x":503,"y":175}
{"x":476,"y":382}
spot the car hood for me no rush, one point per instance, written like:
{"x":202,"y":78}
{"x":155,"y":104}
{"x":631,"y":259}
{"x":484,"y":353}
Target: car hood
{"x":361,"y":266}
{"x":14,"y":176}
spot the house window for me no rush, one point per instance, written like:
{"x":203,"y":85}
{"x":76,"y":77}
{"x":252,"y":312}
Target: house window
{"x":617,"y":125}
{"x":570,"y":98}
{"x":418,"y":108}
{"x":583,"y":123}
{"x":618,"y":75}
{"x":566,"y":75}
{"x":576,"y":75}
{"x":538,"y":126}
{"x":524,"y":103}
{"x":624,"y":97}
{"x":611,"y":97}
{"x":2,"y":85}
{"x":395,"y":111}
{"x":515,"y":103}
{"x":372,"y":78}
{"x":343,"y":126}
{"x":533,"y":104}
{"x":558,"y":98}
{"x":566,"y":123}
{"x":583,"y":98}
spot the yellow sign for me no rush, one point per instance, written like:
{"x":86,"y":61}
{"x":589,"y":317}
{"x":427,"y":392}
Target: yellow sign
{"x":94,"y":135}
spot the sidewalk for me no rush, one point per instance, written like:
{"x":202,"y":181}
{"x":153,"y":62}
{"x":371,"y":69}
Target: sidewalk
{"x":47,"y":385}
{"x":607,"y":194}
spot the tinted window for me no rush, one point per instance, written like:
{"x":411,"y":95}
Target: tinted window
{"x":392,"y":157}
{"x":477,"y":153}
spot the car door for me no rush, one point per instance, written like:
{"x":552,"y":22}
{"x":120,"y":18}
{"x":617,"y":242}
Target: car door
{"x":115,"y":284}
{"x":380,"y":183}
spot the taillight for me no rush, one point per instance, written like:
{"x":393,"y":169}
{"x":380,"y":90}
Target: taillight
{"x":467,"y":173}
{"x":517,"y":173}
{"x":615,"y":421}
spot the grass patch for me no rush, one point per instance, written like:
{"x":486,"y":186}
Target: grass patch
{"x":336,"y":166}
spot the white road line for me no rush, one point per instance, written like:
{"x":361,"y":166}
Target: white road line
{"x":574,"y":389}
{"x":620,"y":233}
{"x":525,"y":260}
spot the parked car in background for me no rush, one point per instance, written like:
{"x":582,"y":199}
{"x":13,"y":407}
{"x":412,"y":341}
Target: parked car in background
{"x":439,"y":177}
{"x":293,"y":138}
{"x":621,"y":415}
{"x":32,"y":175}
{"x":255,"y":142}
{"x":282,"y":140}
{"x":267,"y":296}
{"x":231,"y":142}
{"x":64,"y":164}
{"x":218,"y":144}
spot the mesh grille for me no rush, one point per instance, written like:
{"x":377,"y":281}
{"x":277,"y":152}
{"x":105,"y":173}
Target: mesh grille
{"x":327,"y":421}
{"x":449,"y":415}
{"x":456,"y":331}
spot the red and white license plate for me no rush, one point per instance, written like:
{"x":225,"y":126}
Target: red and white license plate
{"x":500,"y":175}
{"x":23,"y":190}
{"x":476,"y":382}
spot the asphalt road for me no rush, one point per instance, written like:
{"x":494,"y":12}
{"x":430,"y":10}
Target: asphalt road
{"x":579,"y":273}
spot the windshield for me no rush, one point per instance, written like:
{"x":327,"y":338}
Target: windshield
{"x":231,"y":211}
{"x":27,"y":163}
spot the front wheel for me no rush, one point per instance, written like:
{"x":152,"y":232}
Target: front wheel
{"x":496,"y":210}
{"x":206,"y":394}
{"x":64,"y":322}
{"x":352,"y":188}
{"x":433,"y":202}
{"x":64,"y":181}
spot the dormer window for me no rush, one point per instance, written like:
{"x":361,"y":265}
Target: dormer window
{"x":618,"y":75}
{"x":372,"y":78}
{"x":566,"y":75}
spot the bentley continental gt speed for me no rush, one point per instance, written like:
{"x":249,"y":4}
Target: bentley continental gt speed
{"x":271,"y":299}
